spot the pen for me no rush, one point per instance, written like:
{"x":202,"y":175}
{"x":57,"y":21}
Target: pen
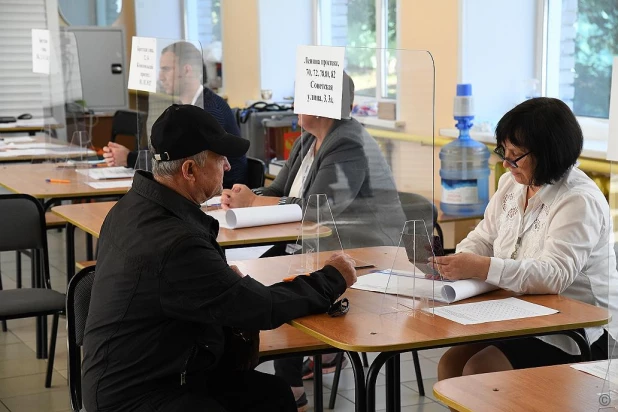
{"x":57,"y":181}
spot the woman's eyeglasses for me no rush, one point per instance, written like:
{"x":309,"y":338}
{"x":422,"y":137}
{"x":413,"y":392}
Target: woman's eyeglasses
{"x":513,"y":163}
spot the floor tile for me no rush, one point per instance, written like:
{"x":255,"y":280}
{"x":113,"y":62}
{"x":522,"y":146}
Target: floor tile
{"x":21,"y":367}
{"x":31,"y":384}
{"x":16,"y":351}
{"x":428,"y":383}
{"x":426,"y":407}
{"x":7,"y":338}
{"x":408,"y":397}
{"x":49,"y":401}
{"x":429,"y":369}
{"x":346,"y":380}
{"x":3,"y":408}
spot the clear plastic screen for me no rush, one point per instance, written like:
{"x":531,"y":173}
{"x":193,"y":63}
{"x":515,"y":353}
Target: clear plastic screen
{"x":374,"y":180}
{"x":174,"y":75}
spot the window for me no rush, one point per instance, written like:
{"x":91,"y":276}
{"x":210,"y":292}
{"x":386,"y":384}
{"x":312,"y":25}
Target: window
{"x":582,"y":38}
{"x":202,"y":22}
{"x":369,"y":29}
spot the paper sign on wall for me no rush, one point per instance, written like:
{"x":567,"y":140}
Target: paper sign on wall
{"x":612,"y":138}
{"x":142,"y":71}
{"x":319,"y":81}
{"x":41,"y":51}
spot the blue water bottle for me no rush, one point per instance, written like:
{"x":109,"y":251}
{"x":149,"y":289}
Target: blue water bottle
{"x":464,"y":167}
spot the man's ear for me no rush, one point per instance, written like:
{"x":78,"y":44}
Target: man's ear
{"x":188,"y":170}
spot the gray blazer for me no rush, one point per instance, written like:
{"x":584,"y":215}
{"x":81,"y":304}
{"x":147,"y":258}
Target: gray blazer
{"x":350,"y":170}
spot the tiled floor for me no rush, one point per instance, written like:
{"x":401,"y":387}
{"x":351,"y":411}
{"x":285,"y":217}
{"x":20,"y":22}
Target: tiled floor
{"x":22,"y":375}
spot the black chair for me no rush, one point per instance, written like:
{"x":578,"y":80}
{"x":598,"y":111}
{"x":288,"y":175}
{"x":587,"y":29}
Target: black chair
{"x":127,"y":123}
{"x":25,"y":230}
{"x":78,"y":302}
{"x":255,"y":172}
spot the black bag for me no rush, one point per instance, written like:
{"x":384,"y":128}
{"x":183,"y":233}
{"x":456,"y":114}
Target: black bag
{"x":241,"y":350}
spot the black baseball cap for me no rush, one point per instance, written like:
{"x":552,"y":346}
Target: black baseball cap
{"x":186,"y":130}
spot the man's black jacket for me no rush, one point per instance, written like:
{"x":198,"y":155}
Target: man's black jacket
{"x":162,"y":293}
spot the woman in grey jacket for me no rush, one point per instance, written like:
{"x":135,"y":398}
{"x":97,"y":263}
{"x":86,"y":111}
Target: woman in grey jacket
{"x":340,"y":159}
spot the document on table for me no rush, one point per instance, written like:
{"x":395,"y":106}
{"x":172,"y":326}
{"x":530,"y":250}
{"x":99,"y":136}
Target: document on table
{"x":113,"y":184}
{"x":602,"y":369}
{"x":413,"y":285}
{"x":21,"y":139}
{"x":491,"y":311}
{"x":108,"y":173}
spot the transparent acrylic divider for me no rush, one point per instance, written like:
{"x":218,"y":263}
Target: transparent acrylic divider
{"x":179,"y":79}
{"x":144,"y":161}
{"x":607,"y":397}
{"x":318,"y":238}
{"x":411,"y":284}
{"x":376,"y":180}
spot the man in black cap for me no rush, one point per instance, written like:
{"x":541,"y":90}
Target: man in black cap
{"x":164,"y":296}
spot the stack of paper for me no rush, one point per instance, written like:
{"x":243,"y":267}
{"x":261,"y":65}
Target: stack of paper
{"x":108,"y":173}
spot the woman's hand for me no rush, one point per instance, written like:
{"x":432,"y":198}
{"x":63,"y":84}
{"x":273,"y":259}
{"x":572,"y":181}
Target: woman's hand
{"x":462,"y":266}
{"x":237,"y":196}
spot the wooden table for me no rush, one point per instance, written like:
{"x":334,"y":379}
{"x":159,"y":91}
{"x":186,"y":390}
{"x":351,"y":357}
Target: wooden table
{"x":550,"y":388}
{"x":29,"y":178}
{"x":368,"y":328}
{"x":89,"y":217}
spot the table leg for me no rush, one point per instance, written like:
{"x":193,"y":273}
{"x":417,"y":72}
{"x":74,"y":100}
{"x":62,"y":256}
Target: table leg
{"x":89,"y":247}
{"x":318,"y":389}
{"x":359,"y":381}
{"x":70,"y":251}
{"x":419,"y":375}
{"x":393,"y":390}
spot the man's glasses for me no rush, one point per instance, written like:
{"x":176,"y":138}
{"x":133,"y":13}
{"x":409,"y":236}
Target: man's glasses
{"x":513,"y":163}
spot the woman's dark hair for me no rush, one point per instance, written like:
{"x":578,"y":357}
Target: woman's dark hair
{"x":547,"y":128}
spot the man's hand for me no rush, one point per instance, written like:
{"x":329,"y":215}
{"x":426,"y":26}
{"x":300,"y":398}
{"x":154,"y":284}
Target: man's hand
{"x":238,"y":272}
{"x":345,"y":265}
{"x":237,"y":196}
{"x":115,"y":154}
{"x":462,"y":266}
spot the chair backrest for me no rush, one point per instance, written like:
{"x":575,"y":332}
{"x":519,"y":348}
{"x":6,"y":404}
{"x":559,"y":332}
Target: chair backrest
{"x":255,"y":172}
{"x":127,"y":123}
{"x":78,"y":303}
{"x":23,"y":227}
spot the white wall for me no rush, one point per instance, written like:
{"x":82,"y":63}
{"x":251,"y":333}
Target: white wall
{"x":498,"y":49}
{"x":283,"y":25}
{"x":159,"y":18}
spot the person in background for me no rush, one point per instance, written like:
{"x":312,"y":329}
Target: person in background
{"x":546,"y":230}
{"x":181,"y":76}
{"x":164,"y":298}
{"x":341,"y":159}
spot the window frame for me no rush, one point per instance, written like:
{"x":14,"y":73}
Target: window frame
{"x":548,"y":53}
{"x":381,"y":42}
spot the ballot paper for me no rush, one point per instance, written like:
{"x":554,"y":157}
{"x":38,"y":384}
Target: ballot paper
{"x":491,"y":311}
{"x":412,"y":284}
{"x":113,"y":184}
{"x":601,"y":369}
{"x":257,"y":216}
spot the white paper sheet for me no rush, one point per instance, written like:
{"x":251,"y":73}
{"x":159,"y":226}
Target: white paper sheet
{"x":42,"y":145}
{"x":491,"y":311}
{"x":119,"y":172}
{"x":257,"y":216}
{"x":213,"y":201}
{"x":111,"y":184}
{"x":601,"y":369}
{"x":406,"y":284}
{"x":21,"y":139}
{"x":24,"y":153}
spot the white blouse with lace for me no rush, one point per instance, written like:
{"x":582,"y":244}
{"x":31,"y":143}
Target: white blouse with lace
{"x":561,"y":244}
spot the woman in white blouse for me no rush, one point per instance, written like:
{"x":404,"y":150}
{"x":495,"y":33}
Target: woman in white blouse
{"x":546,"y":230}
